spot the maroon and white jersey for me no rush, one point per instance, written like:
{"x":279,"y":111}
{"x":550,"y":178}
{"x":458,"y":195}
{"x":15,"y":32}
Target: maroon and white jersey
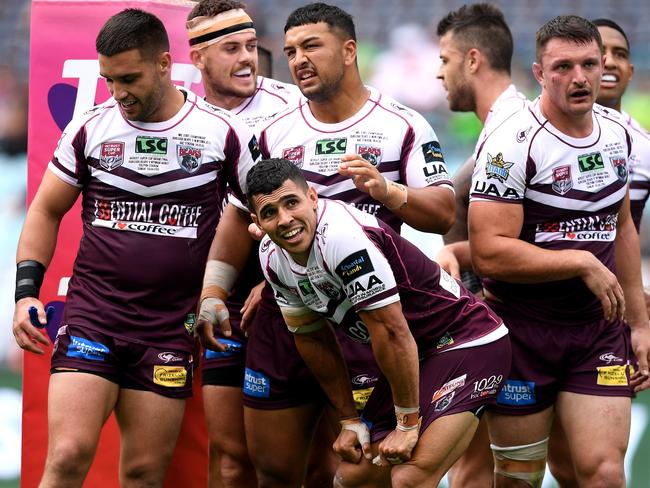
{"x":639,"y":168}
{"x":571,"y":191}
{"x":395,"y":139}
{"x":270,"y":97}
{"x":505,"y":106}
{"x":357,"y":262}
{"x":152,"y":196}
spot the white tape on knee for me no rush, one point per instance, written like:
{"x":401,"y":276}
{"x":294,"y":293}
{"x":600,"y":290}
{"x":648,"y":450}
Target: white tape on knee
{"x":534,"y":453}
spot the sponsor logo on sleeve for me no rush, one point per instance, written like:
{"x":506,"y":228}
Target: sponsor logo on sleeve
{"x":372,"y":154}
{"x":612,"y":375}
{"x":111,"y":155}
{"x":432,"y":152}
{"x":517,"y":392}
{"x":331,"y":146}
{"x":85,"y":349}
{"x":620,"y":166}
{"x":171,"y":376}
{"x":189,"y":158}
{"x":254,"y":148}
{"x":590,"y":162}
{"x":256,"y":384}
{"x":294,"y":154}
{"x":358,"y":291}
{"x":355,"y":265}
{"x":151,"y":145}
{"x":497,"y":168}
{"x":562,"y":181}
{"x":233,"y":348}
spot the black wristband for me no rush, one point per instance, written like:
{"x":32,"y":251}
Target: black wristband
{"x":29,"y":278}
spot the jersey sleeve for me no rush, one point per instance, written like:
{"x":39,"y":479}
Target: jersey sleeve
{"x":365,"y":273}
{"x":69,"y":159}
{"x":242,"y":153}
{"x":500,"y":169}
{"x":422,"y":156}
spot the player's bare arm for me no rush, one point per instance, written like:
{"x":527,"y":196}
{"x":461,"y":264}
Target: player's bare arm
{"x":37,"y":242}
{"x":229,"y":251}
{"x":628,"y":271}
{"x":397,"y":356}
{"x":462,"y":181}
{"x":429,"y":209}
{"x":497,"y":252}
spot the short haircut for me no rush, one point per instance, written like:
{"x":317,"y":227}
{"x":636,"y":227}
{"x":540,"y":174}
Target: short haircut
{"x":313,"y":13}
{"x":210,"y":8}
{"x":568,"y":27}
{"x":481,"y":26}
{"x":133,"y":28}
{"x":613,"y":25}
{"x":269,"y":174}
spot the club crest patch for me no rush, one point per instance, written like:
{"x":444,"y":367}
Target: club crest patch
{"x":562,"y":180}
{"x":189,"y":158}
{"x":111,"y":155}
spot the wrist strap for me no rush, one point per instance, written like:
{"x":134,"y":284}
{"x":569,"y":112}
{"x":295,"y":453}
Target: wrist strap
{"x":396,"y":195}
{"x":408,"y":418}
{"x":29,"y":278}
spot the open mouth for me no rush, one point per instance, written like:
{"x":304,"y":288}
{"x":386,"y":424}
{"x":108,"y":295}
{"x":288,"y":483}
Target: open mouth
{"x":609,"y":80}
{"x":243,"y":73}
{"x":580,"y":94}
{"x":293,"y":234}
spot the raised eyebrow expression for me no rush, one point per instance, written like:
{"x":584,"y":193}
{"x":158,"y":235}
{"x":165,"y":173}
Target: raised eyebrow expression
{"x":270,"y":207}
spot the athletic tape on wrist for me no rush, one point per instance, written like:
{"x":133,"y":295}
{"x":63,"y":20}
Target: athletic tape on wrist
{"x":220,"y":273}
{"x":29,"y":278}
{"x":408,"y":418}
{"x":396,"y":195}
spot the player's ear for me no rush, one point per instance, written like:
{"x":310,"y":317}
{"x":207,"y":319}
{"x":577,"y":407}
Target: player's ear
{"x":474,"y":59}
{"x":313,"y":197}
{"x":165,"y":62}
{"x":255,"y":219}
{"x":539,"y":74}
{"x":197,"y":58}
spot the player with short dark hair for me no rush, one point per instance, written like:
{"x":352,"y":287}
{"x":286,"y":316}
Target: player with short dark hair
{"x":551,"y":232}
{"x":442,"y":352}
{"x":152,"y":164}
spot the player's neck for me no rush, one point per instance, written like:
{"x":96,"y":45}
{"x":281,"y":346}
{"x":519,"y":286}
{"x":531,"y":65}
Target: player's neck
{"x":227,"y":102}
{"x":172,"y":101}
{"x":491,"y":87}
{"x":343,"y":105}
{"x":573,"y":125}
{"x":614,"y":103}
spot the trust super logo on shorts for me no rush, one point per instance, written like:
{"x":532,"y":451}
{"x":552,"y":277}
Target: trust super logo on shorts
{"x":256,"y":384}
{"x":517,"y":392}
{"x":85,"y":349}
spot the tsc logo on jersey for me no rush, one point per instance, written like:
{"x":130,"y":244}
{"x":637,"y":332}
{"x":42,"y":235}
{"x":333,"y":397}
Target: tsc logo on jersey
{"x":111,"y":155}
{"x":562,"y":181}
{"x":331,"y":146}
{"x":432,"y":152}
{"x":294,"y":154}
{"x":355,"y":265}
{"x":619,"y":165}
{"x":496,"y":167}
{"x":151,"y":145}
{"x":372,"y":154}
{"x":590,"y":162}
{"x":305,"y":287}
{"x":189,"y":158}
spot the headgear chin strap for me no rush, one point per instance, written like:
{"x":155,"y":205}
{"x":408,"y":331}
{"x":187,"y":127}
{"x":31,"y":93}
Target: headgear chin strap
{"x":204,"y":31}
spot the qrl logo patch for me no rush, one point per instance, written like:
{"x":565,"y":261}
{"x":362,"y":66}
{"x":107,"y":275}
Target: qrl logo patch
{"x":294,"y":154}
{"x":189,"y":158}
{"x":171,"y":376}
{"x":562,"y":181}
{"x":372,"y":154}
{"x":111,"y":155}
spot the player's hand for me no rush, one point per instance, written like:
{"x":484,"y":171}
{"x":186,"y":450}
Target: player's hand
{"x":364,"y":175}
{"x":255,"y":232}
{"x":212,"y":313}
{"x":603,"y":283}
{"x":447,"y":260}
{"x":249,"y":309}
{"x":641,"y":347}
{"x":27,"y":336}
{"x":353,"y":441}
{"x":397,"y":447}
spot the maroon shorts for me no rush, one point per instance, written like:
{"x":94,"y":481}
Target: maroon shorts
{"x":128,"y":364}
{"x":548,"y":359}
{"x":276,"y":377}
{"x":460,"y":380}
